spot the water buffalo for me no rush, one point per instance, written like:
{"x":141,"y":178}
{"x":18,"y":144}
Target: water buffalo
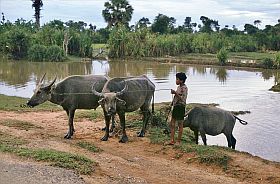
{"x":73,"y":92}
{"x":120,"y":95}
{"x":212,"y":121}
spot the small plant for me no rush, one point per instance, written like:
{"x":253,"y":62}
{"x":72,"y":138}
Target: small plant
{"x":89,"y":146}
{"x":222,"y":56}
{"x":267,"y":63}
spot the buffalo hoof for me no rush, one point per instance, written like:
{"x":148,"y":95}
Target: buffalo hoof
{"x":141,"y":134}
{"x":124,"y":139}
{"x":67,"y":136}
{"x":105,"y":138}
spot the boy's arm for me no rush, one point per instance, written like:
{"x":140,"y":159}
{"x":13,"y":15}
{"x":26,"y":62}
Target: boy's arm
{"x":182,"y":96}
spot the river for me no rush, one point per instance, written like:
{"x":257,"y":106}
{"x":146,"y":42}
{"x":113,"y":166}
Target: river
{"x":234,"y":89}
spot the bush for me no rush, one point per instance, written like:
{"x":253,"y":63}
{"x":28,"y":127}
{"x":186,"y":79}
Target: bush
{"x":37,"y":53}
{"x":55,"y":53}
{"x":222,"y":56}
{"x":267,"y":63}
{"x":17,"y":43}
{"x":277,"y":60}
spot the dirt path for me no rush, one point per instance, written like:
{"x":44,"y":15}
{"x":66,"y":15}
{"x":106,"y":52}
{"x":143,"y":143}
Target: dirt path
{"x":137,"y":161}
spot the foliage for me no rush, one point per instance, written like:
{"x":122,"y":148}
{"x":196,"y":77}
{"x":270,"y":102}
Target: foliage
{"x":20,"y":39}
{"x":277,"y":60}
{"x":37,"y":4}
{"x":267,"y":63}
{"x":209,"y":25}
{"x":17,"y":43}
{"x":163,"y":24}
{"x":117,"y":12}
{"x":222,"y":56}
{"x":37,"y":53}
{"x":55,"y":53}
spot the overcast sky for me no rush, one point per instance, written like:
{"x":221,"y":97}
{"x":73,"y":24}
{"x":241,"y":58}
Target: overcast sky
{"x":227,"y":12}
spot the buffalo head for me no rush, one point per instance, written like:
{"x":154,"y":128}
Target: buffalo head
{"x":41,"y":93}
{"x":110,"y":100}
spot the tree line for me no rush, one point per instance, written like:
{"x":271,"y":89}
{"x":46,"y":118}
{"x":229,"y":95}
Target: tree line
{"x":55,"y":40}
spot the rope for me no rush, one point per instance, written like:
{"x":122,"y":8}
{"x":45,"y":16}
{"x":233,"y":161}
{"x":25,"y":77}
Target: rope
{"x":92,"y":93}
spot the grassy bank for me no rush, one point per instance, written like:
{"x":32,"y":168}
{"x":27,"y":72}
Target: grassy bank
{"x":238,"y":59}
{"x":18,"y":146}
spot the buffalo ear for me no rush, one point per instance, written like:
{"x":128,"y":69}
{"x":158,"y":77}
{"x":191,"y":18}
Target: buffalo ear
{"x":102,"y":101}
{"x":120,"y":101}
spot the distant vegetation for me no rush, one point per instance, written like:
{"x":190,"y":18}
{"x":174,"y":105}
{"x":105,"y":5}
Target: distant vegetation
{"x":55,"y":40}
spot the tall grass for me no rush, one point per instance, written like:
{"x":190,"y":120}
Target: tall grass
{"x":143,"y":43}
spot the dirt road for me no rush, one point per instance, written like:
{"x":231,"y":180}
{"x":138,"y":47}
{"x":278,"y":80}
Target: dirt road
{"x":137,"y":161}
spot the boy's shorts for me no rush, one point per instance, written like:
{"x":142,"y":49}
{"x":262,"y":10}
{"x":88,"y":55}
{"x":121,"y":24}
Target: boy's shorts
{"x":178,"y":112}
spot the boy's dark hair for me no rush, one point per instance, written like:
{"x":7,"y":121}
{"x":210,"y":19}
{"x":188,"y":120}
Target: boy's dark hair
{"x":182,"y":76}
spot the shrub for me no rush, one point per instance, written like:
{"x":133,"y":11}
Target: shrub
{"x":277,"y":60}
{"x":267,"y":63}
{"x":17,"y":43}
{"x":55,"y":53}
{"x":37,"y":53}
{"x":222,"y":56}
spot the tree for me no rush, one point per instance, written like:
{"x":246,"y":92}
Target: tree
{"x":257,"y":22}
{"x":116,"y":12}
{"x":208,"y":24}
{"x":250,"y":29}
{"x":188,"y":25}
{"x":143,"y":23}
{"x":163,"y":24}
{"x":37,"y":4}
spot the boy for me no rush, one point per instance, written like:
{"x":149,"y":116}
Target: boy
{"x":179,"y":104}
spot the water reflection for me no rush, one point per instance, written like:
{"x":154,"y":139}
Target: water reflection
{"x":234,"y":89}
{"x":20,"y":73}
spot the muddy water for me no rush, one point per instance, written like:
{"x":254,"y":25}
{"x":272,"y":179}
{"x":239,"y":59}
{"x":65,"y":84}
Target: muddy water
{"x":234,"y":89}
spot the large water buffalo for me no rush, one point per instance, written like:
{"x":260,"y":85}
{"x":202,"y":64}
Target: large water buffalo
{"x":73,"y":92}
{"x":120,"y":95}
{"x":212,"y":121}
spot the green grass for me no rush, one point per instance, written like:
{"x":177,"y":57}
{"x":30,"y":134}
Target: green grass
{"x":213,"y":155}
{"x":20,"y":125}
{"x":7,"y":140}
{"x":207,"y":154}
{"x":15,"y":145}
{"x":77,"y":163}
{"x":12,"y":103}
{"x":99,"y":46}
{"x":251,"y":55}
{"x":88,"y":146}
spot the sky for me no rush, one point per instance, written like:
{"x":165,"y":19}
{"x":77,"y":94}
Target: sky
{"x":227,"y":12}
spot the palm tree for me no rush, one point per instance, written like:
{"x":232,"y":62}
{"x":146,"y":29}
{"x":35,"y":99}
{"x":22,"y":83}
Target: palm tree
{"x":37,"y":4}
{"x":117,"y":11}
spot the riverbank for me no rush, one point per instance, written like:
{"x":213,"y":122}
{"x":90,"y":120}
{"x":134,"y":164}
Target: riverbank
{"x":35,"y":137}
{"x":237,"y":59}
